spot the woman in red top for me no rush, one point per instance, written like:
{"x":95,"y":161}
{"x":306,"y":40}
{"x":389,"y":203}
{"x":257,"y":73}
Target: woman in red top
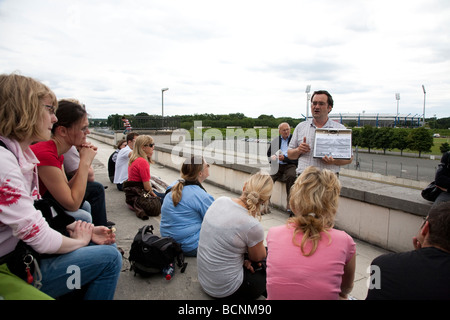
{"x":139,"y":173}
{"x":70,"y":130}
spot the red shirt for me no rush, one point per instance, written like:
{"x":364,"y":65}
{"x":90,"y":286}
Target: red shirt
{"x":139,"y":170}
{"x":47,"y":154}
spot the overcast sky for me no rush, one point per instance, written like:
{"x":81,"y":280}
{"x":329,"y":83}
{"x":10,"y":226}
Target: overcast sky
{"x":252,"y":57}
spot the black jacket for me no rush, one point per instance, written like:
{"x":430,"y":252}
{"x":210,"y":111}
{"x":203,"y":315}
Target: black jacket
{"x":275,"y":144}
{"x":442,"y":177}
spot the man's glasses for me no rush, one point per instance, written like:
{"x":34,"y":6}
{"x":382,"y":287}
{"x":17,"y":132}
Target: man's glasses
{"x":51,"y":109}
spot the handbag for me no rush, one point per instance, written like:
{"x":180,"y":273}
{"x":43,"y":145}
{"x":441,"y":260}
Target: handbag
{"x":142,"y":202}
{"x":431,"y":192}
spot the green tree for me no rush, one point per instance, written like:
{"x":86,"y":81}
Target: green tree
{"x":400,"y":139}
{"x":445,"y":147}
{"x":383,"y":138}
{"x":421,"y":140}
{"x":356,"y":137}
{"x":367,"y":137}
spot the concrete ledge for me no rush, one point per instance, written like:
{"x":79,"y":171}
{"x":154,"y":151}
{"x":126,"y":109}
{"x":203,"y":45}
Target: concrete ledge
{"x":381,"y":214}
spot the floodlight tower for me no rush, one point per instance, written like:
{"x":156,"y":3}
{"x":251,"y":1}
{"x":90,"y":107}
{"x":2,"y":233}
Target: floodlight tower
{"x":162,"y":106}
{"x":397,"y":97}
{"x":308,"y":89}
{"x":424,"y":96}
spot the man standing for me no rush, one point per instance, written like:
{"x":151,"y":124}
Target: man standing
{"x":282,"y":168}
{"x":121,"y":173}
{"x":302,"y":142}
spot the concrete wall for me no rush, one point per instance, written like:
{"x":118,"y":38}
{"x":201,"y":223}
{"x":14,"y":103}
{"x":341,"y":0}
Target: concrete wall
{"x":384,"y":214}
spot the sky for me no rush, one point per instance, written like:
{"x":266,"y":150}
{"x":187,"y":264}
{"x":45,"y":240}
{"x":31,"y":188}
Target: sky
{"x":221,"y":57}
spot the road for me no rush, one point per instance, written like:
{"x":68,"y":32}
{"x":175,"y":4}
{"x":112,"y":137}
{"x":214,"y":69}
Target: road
{"x":408,"y":166}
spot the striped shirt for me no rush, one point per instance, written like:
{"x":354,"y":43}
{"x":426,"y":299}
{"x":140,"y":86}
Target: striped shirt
{"x":308,"y":129}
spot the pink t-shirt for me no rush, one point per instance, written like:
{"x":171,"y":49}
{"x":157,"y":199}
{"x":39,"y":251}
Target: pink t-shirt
{"x":293,"y":276}
{"x":139,"y":170}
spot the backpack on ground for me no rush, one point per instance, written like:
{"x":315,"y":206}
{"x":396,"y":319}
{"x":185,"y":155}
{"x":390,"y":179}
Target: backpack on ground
{"x":150,"y":254}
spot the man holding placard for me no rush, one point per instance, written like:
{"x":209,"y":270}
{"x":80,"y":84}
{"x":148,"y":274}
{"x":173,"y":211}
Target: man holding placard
{"x":302,"y":144}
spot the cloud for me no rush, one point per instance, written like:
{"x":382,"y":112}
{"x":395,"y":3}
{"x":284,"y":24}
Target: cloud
{"x":254,"y":57}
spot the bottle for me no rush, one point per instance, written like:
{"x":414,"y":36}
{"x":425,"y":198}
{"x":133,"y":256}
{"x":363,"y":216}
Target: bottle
{"x":168,"y":271}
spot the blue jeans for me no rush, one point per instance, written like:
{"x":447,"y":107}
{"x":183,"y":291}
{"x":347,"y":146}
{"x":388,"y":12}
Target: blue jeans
{"x":84,"y":213}
{"x":99,"y":270}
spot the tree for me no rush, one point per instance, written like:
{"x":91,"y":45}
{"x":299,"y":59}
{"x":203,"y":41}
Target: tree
{"x":400,"y":139}
{"x":421,"y":140}
{"x":367,"y":137}
{"x":445,"y":147}
{"x":356,"y":137}
{"x":383,"y":138}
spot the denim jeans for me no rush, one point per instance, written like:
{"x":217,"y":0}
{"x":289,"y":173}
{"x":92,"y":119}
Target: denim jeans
{"x":84,"y":213}
{"x":98,"y":268}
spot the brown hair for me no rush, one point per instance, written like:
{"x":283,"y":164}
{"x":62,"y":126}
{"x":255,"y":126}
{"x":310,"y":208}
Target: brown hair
{"x":189,"y":172}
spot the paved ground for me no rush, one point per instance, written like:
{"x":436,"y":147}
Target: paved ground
{"x":184,"y":286}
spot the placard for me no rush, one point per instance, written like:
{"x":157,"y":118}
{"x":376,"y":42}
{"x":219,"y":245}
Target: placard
{"x":336,"y":143}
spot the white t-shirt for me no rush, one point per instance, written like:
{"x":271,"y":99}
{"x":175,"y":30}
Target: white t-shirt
{"x":308,"y":129}
{"x":121,"y":173}
{"x":227,"y":230}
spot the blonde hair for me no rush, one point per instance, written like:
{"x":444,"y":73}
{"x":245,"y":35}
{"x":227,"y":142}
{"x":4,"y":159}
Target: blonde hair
{"x":138,"y":148}
{"x":190,"y":170}
{"x":257,"y":192}
{"x":21,"y":108}
{"x":314,"y":200}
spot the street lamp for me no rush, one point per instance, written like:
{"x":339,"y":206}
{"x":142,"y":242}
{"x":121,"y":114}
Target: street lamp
{"x":162,"y":105}
{"x":308,"y":88}
{"x":424,"y":96}
{"x":397,"y":97}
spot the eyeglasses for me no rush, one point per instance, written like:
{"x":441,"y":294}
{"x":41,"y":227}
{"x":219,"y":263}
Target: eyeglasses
{"x":51,"y":109}
{"x":151,"y":145}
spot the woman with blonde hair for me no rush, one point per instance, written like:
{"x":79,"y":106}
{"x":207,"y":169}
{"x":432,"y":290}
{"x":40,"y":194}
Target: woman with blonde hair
{"x":27,"y":113}
{"x":307,"y":257}
{"x":185,"y":205}
{"x":139,"y":183}
{"x":231,"y":248}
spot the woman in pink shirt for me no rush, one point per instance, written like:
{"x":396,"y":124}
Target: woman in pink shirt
{"x":27,"y":113}
{"x":307,"y":258}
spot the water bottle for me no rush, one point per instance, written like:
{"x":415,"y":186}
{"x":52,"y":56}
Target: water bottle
{"x":168,"y":271}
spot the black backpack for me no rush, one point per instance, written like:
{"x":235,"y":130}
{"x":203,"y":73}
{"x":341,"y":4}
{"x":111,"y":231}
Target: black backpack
{"x":150,"y":254}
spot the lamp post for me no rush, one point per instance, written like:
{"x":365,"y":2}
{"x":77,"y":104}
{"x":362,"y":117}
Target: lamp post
{"x":397,"y":97}
{"x":424,"y":96}
{"x":162,"y":106}
{"x":308,"y":89}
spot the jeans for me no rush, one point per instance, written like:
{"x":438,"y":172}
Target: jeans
{"x":84,"y":213}
{"x":95,"y":266}
{"x":95,"y":195}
